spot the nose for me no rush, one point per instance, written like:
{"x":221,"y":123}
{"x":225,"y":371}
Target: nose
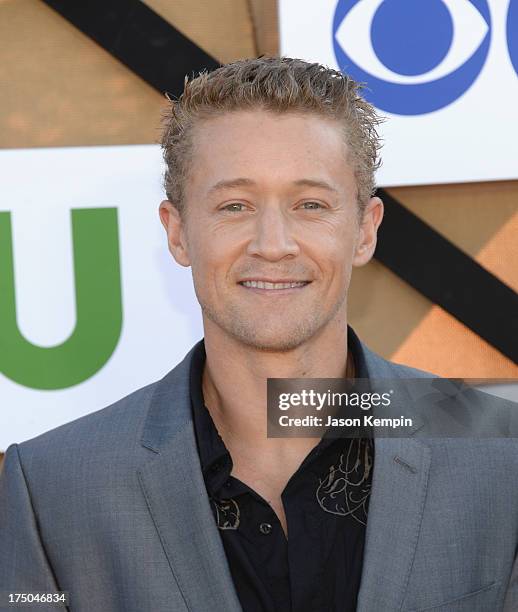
{"x":273,"y":236}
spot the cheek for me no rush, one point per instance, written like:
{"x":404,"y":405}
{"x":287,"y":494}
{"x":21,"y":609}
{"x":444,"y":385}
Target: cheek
{"x":211,"y":260}
{"x":336,"y":265}
{"x":202,"y":250}
{"x":336,"y":252}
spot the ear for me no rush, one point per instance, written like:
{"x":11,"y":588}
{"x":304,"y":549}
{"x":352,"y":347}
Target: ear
{"x":368,"y":233}
{"x":175,"y":229}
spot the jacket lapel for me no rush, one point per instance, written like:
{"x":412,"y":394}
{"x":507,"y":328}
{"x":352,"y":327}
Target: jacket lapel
{"x":396,"y":506}
{"x":398,"y":493}
{"x":172,"y":483}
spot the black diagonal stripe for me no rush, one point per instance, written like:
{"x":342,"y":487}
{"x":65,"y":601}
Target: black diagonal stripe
{"x":137,"y":36}
{"x":159,"y":54}
{"x":447,"y":276}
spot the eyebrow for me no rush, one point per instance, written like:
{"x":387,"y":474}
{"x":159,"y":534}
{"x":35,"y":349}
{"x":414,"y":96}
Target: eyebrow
{"x":246,"y":182}
{"x":315,"y":183}
{"x":230,"y":183}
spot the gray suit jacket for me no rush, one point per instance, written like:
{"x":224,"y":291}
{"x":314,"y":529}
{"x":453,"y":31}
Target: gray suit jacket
{"x":112,"y":508}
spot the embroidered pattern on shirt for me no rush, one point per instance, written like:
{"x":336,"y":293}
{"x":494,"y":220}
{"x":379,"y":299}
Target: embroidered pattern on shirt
{"x":345,"y":489}
{"x":227,"y":513}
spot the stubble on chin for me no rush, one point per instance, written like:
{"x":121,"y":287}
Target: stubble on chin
{"x":260,"y":336}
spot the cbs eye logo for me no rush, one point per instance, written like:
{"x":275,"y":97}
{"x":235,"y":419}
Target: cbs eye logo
{"x":415,"y":56}
{"x":512,"y":33}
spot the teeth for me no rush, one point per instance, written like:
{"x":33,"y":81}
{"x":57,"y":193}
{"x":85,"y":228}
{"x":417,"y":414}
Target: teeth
{"x":266,"y":285}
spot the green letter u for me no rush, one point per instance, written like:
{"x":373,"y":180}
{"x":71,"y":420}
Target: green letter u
{"x":98,"y":307}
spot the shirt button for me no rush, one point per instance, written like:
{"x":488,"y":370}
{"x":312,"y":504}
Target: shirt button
{"x":265,"y":528}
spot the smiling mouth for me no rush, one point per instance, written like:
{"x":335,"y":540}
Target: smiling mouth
{"x":251,"y":284}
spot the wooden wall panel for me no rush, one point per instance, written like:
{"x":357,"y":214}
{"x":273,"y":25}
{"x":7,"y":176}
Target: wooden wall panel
{"x":483,"y":220}
{"x":59,"y":88}
{"x":266,"y":25}
{"x":468,"y":214}
{"x":399,"y":323}
{"x":222,"y":28}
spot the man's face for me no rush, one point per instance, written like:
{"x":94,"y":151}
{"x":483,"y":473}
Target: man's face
{"x":270,"y":199}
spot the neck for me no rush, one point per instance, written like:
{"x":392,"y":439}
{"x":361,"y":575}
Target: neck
{"x":235,"y":383}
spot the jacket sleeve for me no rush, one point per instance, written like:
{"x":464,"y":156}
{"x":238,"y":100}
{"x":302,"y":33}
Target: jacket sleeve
{"x":24,"y":566}
{"x":511,"y":595}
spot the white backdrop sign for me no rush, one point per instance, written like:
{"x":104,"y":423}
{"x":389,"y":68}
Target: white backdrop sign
{"x":444,"y":73}
{"x":92,"y":305}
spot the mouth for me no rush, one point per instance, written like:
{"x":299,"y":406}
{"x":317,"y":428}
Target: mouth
{"x":283,"y":286}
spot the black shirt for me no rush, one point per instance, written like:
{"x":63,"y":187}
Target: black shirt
{"x":326,"y":502}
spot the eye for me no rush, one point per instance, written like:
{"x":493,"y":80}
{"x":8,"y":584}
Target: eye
{"x":234,"y":207}
{"x":311,"y":205}
{"x":407,"y":42}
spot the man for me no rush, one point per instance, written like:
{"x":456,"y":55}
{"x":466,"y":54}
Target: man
{"x":174,"y":498}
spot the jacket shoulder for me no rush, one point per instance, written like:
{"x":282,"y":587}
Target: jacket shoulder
{"x":117,"y":426}
{"x":404,"y":371}
{"x":379,"y":367}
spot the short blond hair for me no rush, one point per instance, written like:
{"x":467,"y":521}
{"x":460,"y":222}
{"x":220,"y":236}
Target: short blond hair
{"x":279,"y":85}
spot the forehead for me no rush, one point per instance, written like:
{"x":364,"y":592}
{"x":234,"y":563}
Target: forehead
{"x":269,"y":147}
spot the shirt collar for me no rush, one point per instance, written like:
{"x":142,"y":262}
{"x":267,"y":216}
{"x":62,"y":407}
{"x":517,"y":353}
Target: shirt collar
{"x":355,"y":346}
{"x":211,"y":448}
